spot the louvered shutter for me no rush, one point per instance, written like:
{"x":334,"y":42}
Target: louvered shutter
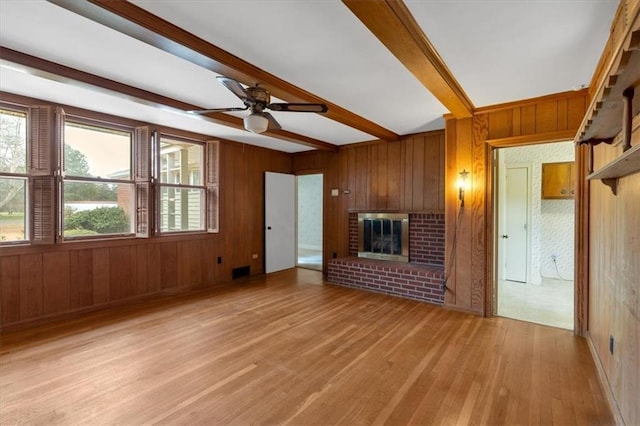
{"x":59,"y":141}
{"x":43,"y":212}
{"x":40,"y":141}
{"x":142,"y":177}
{"x":42,"y":182}
{"x":212,"y":167}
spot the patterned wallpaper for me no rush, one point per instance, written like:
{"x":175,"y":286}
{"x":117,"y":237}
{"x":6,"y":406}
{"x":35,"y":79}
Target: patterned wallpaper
{"x":310,"y":211}
{"x":552,"y":221}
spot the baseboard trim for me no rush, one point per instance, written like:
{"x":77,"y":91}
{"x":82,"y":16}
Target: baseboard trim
{"x":604,"y":382}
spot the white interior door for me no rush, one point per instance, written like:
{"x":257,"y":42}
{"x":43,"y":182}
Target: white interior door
{"x":280,"y":221}
{"x":516,"y":229}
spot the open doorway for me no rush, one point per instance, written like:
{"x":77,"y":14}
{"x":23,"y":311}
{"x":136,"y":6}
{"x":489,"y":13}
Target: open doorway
{"x":309,"y":221}
{"x":534,"y":237}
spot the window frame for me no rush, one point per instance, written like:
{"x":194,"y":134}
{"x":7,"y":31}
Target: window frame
{"x":25,"y":175}
{"x":159,"y":185}
{"x":65,"y":178}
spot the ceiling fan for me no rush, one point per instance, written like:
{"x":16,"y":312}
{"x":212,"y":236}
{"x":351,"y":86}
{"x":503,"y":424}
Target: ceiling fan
{"x":257,"y":100}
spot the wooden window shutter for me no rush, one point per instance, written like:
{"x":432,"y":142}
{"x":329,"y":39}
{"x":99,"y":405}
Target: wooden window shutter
{"x":212,"y":168}
{"x":59,"y":139}
{"x":142,"y":176}
{"x":44,"y":132}
{"x":43,"y":211}
{"x":40,"y":140}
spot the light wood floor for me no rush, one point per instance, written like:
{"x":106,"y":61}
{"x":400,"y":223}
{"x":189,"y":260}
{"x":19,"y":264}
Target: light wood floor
{"x":290,"y":349}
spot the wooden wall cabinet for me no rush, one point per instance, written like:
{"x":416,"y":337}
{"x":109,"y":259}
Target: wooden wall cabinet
{"x":558,"y":181}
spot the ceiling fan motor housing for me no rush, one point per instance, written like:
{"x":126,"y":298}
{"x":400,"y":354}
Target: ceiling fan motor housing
{"x":260,"y":95}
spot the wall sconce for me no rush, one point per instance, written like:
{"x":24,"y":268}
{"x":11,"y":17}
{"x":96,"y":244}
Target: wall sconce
{"x":462,"y":183}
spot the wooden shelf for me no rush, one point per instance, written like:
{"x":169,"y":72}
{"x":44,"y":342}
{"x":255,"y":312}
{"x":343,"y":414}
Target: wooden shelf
{"x":604,"y":117}
{"x":625,"y":164}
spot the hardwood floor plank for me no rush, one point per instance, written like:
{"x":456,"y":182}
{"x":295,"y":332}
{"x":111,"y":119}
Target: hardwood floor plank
{"x":288,"y":348}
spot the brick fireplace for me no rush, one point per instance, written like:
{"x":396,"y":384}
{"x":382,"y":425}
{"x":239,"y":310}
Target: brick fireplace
{"x":420,"y":279}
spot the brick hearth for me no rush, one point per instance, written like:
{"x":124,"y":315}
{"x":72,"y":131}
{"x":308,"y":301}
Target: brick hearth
{"x":420,"y":279}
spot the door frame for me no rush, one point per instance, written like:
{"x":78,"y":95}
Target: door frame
{"x":306,"y":173}
{"x":583,"y":166}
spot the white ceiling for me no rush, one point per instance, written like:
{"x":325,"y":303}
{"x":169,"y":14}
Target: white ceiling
{"x":499,"y":51}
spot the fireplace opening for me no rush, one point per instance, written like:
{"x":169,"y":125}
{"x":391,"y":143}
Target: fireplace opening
{"x":383,"y":236}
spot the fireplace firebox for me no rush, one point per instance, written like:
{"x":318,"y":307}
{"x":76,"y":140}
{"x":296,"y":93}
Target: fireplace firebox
{"x":383,"y":236}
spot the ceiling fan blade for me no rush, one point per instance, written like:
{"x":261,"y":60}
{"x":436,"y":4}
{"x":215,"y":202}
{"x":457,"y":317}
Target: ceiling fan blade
{"x":273,"y":124}
{"x":298,"y":107}
{"x":235,"y":87}
{"x":207,"y":111}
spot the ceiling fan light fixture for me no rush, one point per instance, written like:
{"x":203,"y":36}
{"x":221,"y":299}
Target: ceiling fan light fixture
{"x":256,"y":123}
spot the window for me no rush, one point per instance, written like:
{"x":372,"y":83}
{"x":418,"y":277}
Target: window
{"x":13,"y":176}
{"x":181,"y":190}
{"x":69,"y":177}
{"x":97,"y":186}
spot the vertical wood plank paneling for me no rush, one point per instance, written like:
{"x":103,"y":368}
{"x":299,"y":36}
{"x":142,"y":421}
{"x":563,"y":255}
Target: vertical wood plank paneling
{"x":228,"y":200}
{"x":451,"y":210}
{"x":516,"y":127}
{"x":394,"y":173}
{"x":80,"y":278}
{"x":362,"y":177}
{"x":547,"y":116}
{"x":433,"y":172}
{"x":563,"y":115}
{"x":169,"y":269}
{"x":465,"y":230}
{"x":614,"y":296}
{"x":154,"y":268}
{"x":344,"y":203}
{"x":576,"y":107}
{"x":443,"y":173}
{"x":479,"y":225}
{"x":101,"y":268}
{"x":141,"y":268}
{"x":191,"y":264}
{"x":383,"y":174}
{"x":10,"y":289}
{"x":207,"y":253}
{"x":352,"y":172}
{"x":373,"y":191}
{"x":500,"y":124}
{"x":528,"y":120}
{"x":241,"y":198}
{"x":418,"y":175}
{"x":408,"y":175}
{"x":121,"y":279}
{"x":31,"y":297}
{"x":55,"y":282}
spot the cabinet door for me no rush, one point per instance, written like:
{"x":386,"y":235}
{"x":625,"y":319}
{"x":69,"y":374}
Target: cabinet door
{"x":557,"y":180}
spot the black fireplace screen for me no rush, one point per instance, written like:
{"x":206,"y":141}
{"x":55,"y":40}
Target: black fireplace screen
{"x":383,"y":236}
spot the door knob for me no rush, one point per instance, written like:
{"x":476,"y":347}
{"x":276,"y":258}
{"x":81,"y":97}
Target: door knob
{"x":268,"y":227}
{"x":504,"y":236}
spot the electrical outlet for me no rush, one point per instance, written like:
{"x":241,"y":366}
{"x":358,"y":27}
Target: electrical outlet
{"x":554,"y":257}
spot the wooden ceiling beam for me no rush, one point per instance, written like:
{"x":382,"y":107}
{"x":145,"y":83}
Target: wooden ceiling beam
{"x":144,"y":26}
{"x":392,"y":23}
{"x":72,"y":76}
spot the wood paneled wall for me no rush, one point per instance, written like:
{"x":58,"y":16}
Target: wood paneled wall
{"x":614,"y":283}
{"x":40,"y":282}
{"x":403,"y":176}
{"x":469,"y":145}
